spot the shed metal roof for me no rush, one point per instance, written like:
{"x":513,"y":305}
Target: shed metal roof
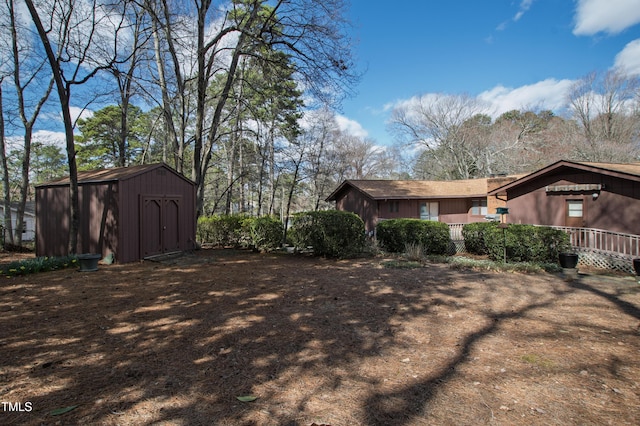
{"x":111,"y":175}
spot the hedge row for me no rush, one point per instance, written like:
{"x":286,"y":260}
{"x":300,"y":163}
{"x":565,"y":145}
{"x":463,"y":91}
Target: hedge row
{"x":394,"y":235}
{"x":260,"y":233}
{"x":473,"y":234}
{"x":524,"y":243}
{"x":330,"y":233}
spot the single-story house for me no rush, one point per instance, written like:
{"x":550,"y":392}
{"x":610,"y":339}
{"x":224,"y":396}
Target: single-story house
{"x":130,"y":212}
{"x":458,"y":201}
{"x":29,"y":229}
{"x":576,"y":194}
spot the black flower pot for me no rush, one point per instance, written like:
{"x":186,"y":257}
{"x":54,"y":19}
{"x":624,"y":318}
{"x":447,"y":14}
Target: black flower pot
{"x":636,"y":266}
{"x":88,"y":262}
{"x":568,"y":260}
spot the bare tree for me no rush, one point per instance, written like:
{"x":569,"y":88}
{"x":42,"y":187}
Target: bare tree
{"x":6,"y":220}
{"x":606,"y":108}
{"x":440,"y":125}
{"x":74,"y":40}
{"x":28,"y":71}
{"x":125,"y":68}
{"x":322,"y":133}
{"x":310,"y":33}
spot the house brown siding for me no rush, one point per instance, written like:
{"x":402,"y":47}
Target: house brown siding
{"x":450,"y":210}
{"x":616,"y":208}
{"x":354,"y":201}
{"x":375,"y":200}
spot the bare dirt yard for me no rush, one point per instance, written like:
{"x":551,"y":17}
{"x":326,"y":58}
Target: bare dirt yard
{"x":306,"y":341}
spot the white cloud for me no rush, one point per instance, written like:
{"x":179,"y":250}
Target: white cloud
{"x":628,"y":60}
{"x":77,"y":113}
{"x":351,"y":127}
{"x":47,"y":137}
{"x":525,"y":5}
{"x":547,"y":94}
{"x":609,"y":16}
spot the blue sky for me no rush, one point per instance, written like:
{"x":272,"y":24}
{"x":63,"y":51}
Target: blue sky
{"x":510,"y":53}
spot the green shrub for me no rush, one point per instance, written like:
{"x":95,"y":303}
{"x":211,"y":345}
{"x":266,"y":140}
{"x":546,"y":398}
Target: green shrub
{"x":220,"y":230}
{"x":395,"y":234}
{"x":473,"y":234}
{"x":554,"y":242}
{"x":525,"y":243}
{"x":391,"y":235}
{"x":262,"y":233}
{"x":331,"y":233}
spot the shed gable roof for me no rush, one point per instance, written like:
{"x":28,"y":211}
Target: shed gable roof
{"x":111,"y":175}
{"x":414,"y":189}
{"x":630,"y":171}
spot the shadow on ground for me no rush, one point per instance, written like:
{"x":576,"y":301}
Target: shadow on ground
{"x":316,"y":341}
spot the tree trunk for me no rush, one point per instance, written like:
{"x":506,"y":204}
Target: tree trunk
{"x":24,"y":185}
{"x":202,"y":150}
{"x":290,"y":197}
{"x":6,"y":224}
{"x":170,"y":128}
{"x":64,"y":93}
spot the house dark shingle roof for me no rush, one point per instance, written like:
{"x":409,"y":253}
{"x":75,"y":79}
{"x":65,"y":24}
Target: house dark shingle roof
{"x":625,"y":170}
{"x":415,"y":189}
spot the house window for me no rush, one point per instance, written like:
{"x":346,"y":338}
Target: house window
{"x":429,"y":210}
{"x":479,"y":207}
{"x":574,"y":208}
{"x":394,"y":206}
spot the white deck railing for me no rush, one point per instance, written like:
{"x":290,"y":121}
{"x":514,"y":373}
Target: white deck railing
{"x":455,"y":230}
{"x":603,"y":241}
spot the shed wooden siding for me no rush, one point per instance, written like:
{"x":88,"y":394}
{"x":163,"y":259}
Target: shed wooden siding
{"x":158,"y":182}
{"x":110,"y":212}
{"x":99,"y":229}
{"x":616,"y":209}
{"x":98,"y":210}
{"x":52,"y":215}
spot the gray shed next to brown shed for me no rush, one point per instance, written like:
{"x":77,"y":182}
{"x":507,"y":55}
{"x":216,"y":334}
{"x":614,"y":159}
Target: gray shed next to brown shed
{"x":133,"y":212}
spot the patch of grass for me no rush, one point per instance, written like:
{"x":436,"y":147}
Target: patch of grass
{"x":39,"y":264}
{"x":537,"y":360}
{"x":458,"y":262}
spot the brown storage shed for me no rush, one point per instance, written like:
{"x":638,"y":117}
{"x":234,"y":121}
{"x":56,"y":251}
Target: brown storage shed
{"x":133,"y":212}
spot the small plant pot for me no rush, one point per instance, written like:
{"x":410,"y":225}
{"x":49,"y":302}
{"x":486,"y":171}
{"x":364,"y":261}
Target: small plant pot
{"x":568,"y":260}
{"x":636,"y":266}
{"x":88,"y":262}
